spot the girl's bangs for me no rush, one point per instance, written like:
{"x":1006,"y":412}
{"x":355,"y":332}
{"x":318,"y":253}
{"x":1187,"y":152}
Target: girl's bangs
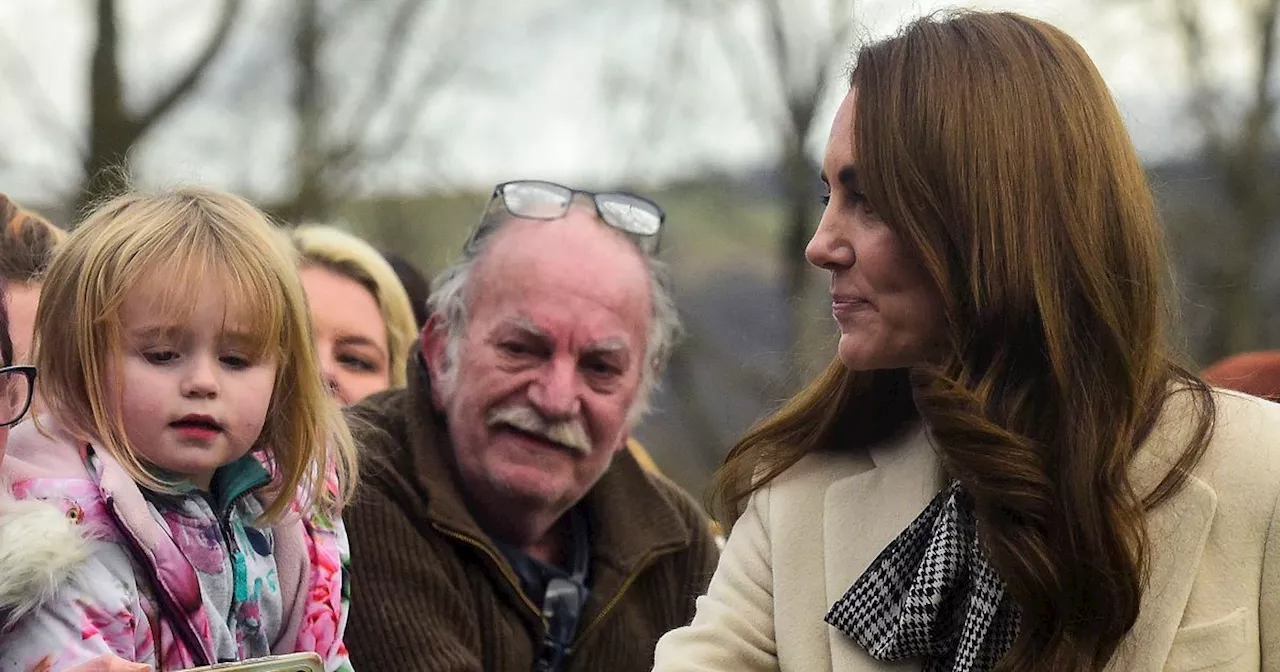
{"x":254,"y":300}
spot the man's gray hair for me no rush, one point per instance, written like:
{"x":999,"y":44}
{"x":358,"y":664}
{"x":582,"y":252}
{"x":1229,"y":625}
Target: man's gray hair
{"x":450,"y":298}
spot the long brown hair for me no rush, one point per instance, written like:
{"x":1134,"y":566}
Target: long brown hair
{"x":29,"y":242}
{"x":6,"y":342}
{"x":992,"y":145}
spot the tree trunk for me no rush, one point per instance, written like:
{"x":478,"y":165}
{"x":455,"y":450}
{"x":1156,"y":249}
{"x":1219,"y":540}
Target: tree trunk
{"x":801,"y":219}
{"x":111,"y":133}
{"x":113,"y":130}
{"x":1246,"y":184}
{"x":309,"y":200}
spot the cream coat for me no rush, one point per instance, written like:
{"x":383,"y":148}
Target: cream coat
{"x":1212,"y":601}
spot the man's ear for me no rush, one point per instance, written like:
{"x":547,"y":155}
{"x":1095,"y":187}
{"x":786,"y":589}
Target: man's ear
{"x":435,"y":335}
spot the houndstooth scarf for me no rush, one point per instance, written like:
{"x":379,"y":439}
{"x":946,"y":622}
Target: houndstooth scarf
{"x":931,"y":595}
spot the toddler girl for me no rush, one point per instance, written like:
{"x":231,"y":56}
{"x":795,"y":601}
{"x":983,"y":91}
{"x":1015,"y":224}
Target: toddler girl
{"x":187,"y":432}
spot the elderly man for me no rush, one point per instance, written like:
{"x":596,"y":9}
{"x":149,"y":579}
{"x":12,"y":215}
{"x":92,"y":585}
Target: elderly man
{"x":502,"y":525}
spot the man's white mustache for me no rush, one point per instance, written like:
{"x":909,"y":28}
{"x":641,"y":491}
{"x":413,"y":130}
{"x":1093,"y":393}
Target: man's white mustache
{"x":525,"y":418}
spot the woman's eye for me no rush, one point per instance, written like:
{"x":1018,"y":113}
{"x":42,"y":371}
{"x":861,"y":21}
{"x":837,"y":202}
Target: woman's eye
{"x":357,"y":363}
{"x":826,"y":199}
{"x":859,"y":200}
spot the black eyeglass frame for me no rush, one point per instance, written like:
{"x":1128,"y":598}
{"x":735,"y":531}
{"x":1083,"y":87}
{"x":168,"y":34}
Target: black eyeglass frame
{"x":489,"y":222}
{"x":28,"y":372}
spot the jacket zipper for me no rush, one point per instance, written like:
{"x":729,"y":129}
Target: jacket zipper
{"x":622,"y":590}
{"x":617,"y":597}
{"x":182,"y":625}
{"x":502,"y":567}
{"x":239,"y":568}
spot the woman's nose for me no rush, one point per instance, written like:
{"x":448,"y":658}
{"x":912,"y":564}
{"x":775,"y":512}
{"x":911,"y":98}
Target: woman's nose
{"x":829,"y":249}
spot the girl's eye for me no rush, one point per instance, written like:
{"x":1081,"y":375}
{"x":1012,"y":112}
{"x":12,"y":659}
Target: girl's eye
{"x":826,"y":199}
{"x":235,"y":361}
{"x":160,"y":356}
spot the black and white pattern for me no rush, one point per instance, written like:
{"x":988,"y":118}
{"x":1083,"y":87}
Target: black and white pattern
{"x":932,"y":595}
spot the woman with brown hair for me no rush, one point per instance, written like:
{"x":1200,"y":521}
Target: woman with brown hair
{"x":1006,"y":467}
{"x":26,"y":249}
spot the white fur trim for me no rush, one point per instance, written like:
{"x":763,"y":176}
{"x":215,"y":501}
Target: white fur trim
{"x":39,"y":549}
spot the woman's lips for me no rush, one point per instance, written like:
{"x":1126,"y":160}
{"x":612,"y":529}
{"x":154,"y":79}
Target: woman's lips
{"x":848,"y":306}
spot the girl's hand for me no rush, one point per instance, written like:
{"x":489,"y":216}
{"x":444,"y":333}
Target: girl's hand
{"x":110,"y":663}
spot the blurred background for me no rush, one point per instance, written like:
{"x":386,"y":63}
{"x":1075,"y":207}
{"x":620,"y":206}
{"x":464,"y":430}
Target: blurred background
{"x":394,"y":118}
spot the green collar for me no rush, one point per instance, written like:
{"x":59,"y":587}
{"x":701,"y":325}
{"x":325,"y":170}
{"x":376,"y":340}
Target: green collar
{"x":232,"y":481}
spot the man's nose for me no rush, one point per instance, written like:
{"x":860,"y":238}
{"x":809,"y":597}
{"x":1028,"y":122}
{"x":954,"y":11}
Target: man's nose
{"x":555,"y":391}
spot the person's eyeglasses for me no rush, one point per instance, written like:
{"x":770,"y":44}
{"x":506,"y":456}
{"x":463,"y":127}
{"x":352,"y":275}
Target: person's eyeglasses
{"x":638,"y":217}
{"x":16,"y":386}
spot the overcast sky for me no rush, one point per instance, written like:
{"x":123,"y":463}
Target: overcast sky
{"x":577,"y":90}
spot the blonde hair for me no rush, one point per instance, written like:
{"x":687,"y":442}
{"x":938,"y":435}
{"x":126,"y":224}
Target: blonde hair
{"x":347,"y":255}
{"x":191,"y":237}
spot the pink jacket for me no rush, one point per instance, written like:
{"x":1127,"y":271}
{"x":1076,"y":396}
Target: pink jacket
{"x":137,"y":594}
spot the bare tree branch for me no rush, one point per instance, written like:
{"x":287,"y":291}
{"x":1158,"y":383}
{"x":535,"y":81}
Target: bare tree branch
{"x":184,"y":85}
{"x":310,"y":198}
{"x":781,"y":49}
{"x":405,"y":114}
{"x":360,"y":149}
{"x":390,"y":61}
{"x":747,"y":72}
{"x":333,"y":155}
{"x":113,"y":130}
{"x":1257,"y":120}
{"x":22,"y":83}
{"x":785,"y":87}
{"x":1204,"y":100}
{"x":663,"y":88}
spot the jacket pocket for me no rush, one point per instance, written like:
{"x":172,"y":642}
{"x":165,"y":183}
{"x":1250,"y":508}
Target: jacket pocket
{"x":1208,"y":645}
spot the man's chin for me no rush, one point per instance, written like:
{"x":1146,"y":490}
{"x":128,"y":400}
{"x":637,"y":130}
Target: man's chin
{"x":528,"y":484}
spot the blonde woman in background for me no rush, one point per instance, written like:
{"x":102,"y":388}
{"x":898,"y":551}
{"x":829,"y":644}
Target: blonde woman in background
{"x":363,"y":320}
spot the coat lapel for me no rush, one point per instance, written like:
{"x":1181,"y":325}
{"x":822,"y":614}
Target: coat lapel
{"x":1177,"y":532}
{"x":862,"y":514}
{"x":865,"y":511}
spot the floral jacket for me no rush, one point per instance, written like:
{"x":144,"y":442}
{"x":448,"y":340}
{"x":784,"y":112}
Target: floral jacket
{"x":174,"y":581}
